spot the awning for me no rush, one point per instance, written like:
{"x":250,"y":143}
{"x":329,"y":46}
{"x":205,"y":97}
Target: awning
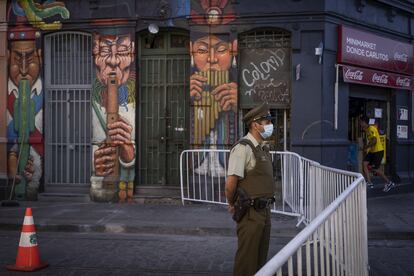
{"x":365,"y":76}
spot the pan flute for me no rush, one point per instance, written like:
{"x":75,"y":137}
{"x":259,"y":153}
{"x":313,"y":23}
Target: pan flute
{"x":207,"y":109}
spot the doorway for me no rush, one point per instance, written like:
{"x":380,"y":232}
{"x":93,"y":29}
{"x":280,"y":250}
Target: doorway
{"x":378,"y":113}
{"x":163,"y":106}
{"x":68,"y":84}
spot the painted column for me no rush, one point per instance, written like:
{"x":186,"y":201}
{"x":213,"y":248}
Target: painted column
{"x":25,"y":113}
{"x":3,"y":92}
{"x":213,"y":83}
{"x":25,"y":148}
{"x":113,"y":119}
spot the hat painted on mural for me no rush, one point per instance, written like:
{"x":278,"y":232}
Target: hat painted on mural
{"x":258,"y":113}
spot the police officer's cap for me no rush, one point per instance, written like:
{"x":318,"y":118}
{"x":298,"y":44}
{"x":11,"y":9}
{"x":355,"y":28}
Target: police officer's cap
{"x":260,"y":112}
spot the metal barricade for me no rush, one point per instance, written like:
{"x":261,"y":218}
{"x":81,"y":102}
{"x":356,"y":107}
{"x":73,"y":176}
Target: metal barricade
{"x":204,"y":171}
{"x":335,"y":242}
{"x":331,"y":202}
{"x":322,"y":186}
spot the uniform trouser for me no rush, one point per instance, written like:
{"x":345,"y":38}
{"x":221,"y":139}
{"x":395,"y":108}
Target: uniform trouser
{"x":253,"y":235}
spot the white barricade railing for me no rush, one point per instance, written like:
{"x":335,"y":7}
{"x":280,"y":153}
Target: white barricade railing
{"x":335,"y":241}
{"x":204,"y":171}
{"x":291,"y":175}
{"x":332,"y":202}
{"x":322,"y":185}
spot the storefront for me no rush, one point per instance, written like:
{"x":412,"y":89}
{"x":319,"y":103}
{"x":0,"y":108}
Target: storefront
{"x":377,"y":72}
{"x":156,"y":77}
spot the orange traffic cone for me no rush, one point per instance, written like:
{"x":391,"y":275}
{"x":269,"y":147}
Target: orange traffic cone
{"x":28,"y":252}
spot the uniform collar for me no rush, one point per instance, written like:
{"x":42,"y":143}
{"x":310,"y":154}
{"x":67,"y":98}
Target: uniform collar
{"x":252,"y":139}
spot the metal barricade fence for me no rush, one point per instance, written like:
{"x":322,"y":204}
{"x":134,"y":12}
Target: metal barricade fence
{"x":335,"y":242}
{"x":322,"y":185}
{"x":204,"y":171}
{"x":331,"y":202}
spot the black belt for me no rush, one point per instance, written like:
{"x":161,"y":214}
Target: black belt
{"x":262,"y":202}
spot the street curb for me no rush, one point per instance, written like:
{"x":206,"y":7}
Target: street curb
{"x":196,"y":231}
{"x":127,"y":229}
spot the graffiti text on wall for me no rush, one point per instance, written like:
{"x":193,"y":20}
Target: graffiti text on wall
{"x":265,"y":75}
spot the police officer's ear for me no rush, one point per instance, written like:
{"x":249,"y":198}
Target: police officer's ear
{"x":250,"y":125}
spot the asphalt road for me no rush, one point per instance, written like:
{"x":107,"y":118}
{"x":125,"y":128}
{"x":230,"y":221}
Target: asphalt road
{"x":138,"y":254}
{"x":129,"y":254}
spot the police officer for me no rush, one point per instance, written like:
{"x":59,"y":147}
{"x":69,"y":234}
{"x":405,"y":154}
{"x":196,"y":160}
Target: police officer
{"x":250,"y":168}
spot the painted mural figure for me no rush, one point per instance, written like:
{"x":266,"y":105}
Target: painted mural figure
{"x":24,"y":118}
{"x":213,"y":89}
{"x":115,"y":155}
{"x":36,"y":12}
{"x":25,"y":91}
{"x":214,"y":97}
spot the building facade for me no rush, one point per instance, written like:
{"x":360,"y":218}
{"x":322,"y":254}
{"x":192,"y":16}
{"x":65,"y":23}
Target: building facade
{"x":103,"y":96}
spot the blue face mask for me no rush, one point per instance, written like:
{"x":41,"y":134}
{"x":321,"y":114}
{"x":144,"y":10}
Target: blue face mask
{"x":268,"y":130}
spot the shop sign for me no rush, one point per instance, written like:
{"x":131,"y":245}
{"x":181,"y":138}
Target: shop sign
{"x":377,"y":78}
{"x":366,"y":49}
{"x":402,"y":132}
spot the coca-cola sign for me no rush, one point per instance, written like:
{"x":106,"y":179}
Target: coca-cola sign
{"x":354,"y":74}
{"x":377,"y":78}
{"x":403,"y":81}
{"x":380,"y":78}
{"x":368,"y":50}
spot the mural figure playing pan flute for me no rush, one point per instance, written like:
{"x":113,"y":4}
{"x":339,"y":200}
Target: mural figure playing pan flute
{"x":213,"y":90}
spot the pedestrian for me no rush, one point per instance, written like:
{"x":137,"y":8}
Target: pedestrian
{"x":374,"y":153}
{"x":250,"y":192}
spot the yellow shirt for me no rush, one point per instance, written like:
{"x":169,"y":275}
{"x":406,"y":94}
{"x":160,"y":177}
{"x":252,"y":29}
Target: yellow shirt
{"x":372,"y":132}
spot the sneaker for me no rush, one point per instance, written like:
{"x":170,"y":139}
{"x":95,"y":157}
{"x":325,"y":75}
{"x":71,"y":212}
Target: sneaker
{"x":370,"y":185}
{"x":389,"y":186}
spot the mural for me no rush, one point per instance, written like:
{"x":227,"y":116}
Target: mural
{"x":113,"y":103}
{"x":213,"y":87}
{"x":24,"y":118}
{"x":25,"y":92}
{"x":37,"y":13}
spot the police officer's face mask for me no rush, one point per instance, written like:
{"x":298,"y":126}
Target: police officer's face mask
{"x":267,"y":131}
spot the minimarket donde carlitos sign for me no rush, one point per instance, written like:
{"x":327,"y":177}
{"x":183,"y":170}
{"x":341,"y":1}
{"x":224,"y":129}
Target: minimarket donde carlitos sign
{"x":391,"y":62}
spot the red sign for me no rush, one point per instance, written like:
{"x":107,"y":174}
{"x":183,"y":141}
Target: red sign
{"x":369,"y":50}
{"x":377,"y":78}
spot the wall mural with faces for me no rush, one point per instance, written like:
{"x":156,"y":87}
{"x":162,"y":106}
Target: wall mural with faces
{"x":213,"y":84}
{"x":25,"y":91}
{"x":24,"y":118}
{"x":113,"y":102}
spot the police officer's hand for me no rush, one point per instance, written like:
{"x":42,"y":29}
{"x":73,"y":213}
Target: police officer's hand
{"x":230,"y":208}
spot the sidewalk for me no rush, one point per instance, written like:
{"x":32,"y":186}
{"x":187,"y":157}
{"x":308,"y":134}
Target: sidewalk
{"x":389,"y":217}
